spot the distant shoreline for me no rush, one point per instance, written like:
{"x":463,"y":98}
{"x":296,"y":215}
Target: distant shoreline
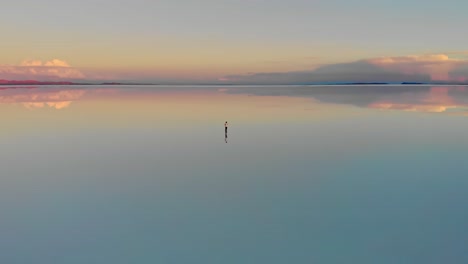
{"x":31,"y":82}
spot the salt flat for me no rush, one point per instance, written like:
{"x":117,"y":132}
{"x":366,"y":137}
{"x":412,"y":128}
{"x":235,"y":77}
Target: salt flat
{"x":305,"y":174}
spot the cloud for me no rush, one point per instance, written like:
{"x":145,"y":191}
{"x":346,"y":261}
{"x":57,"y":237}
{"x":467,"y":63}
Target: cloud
{"x":417,"y":68}
{"x":359,"y":71}
{"x":460,"y":73}
{"x":56,"y":105}
{"x":37,"y":70}
{"x":438,"y":66}
{"x":31,"y":63}
{"x":56,"y":63}
{"x":458,"y":53}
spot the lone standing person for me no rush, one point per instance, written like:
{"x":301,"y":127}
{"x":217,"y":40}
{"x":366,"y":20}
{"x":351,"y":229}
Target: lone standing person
{"x":225,"y":127}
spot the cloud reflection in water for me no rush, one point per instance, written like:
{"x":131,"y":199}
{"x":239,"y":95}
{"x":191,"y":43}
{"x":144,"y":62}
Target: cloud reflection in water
{"x":434,"y":99}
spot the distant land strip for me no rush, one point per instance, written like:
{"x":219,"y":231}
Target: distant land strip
{"x":34,"y":82}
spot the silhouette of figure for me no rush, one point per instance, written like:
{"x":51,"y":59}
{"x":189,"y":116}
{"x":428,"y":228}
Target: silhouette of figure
{"x":225,"y":131}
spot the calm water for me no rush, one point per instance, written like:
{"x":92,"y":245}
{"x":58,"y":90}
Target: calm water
{"x":146,"y":174}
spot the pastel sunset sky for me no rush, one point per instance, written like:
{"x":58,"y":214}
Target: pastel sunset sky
{"x":222,"y":41}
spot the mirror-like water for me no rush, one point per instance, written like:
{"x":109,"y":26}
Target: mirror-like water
{"x":147,"y":174}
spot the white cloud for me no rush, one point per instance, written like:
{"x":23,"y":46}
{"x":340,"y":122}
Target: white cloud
{"x":37,"y":70}
{"x":31,"y":63}
{"x":56,"y":63}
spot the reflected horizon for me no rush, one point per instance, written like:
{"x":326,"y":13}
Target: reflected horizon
{"x":432,"y":99}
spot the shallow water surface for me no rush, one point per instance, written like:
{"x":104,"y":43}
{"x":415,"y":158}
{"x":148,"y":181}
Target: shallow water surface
{"x":305,"y":174}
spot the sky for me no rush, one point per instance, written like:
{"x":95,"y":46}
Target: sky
{"x":257,"y":41}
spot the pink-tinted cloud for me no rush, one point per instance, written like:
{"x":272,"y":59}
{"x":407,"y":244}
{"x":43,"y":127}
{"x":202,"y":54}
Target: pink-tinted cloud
{"x":37,"y":70}
{"x":438,"y":66}
{"x":56,"y":105}
{"x":460,"y":73}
